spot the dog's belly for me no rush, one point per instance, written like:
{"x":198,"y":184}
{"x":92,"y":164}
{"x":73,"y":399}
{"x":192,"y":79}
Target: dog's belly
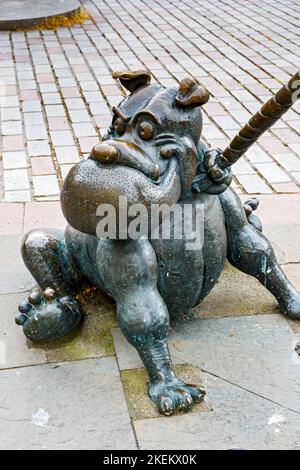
{"x":185,"y":275}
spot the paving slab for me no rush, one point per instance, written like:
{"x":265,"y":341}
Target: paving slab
{"x":256,"y":352}
{"x":235,"y":294}
{"x":75,"y":405}
{"x":285,"y":241}
{"x":280,"y":216}
{"x":14,"y":276}
{"x":240,"y":420}
{"x":43,"y":215}
{"x":293,"y":273}
{"x":15,"y":14}
{"x":135,"y":384}
{"x":11,"y":216}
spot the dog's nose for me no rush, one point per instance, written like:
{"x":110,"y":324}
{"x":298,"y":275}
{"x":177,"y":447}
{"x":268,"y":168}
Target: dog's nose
{"x":105,"y":153}
{"x":168,"y":150}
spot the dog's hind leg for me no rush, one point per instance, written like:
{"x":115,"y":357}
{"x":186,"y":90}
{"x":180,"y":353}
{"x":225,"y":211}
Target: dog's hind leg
{"x":250,"y":252}
{"x":129,"y":270}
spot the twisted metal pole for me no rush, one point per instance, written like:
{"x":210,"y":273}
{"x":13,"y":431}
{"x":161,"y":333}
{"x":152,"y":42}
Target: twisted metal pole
{"x":271,"y":111}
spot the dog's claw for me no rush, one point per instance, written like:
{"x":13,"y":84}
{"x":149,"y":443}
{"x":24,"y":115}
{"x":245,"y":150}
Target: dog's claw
{"x":21,"y":319}
{"x":49,"y":294}
{"x":25,"y":307}
{"x":35,"y":298}
{"x":166,"y":406}
{"x":174,"y":396}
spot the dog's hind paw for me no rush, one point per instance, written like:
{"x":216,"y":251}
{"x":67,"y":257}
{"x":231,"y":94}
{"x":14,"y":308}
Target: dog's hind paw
{"x":175,"y":396}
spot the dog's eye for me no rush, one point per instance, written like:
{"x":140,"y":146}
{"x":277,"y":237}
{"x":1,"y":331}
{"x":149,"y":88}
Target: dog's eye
{"x":119,"y":126}
{"x":146,"y":130}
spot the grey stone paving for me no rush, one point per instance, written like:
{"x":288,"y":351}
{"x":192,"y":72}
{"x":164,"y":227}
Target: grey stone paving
{"x":13,"y":273}
{"x":256,"y":353}
{"x":75,"y":405}
{"x":240,"y":420}
{"x":280,"y":217}
{"x":290,"y":253}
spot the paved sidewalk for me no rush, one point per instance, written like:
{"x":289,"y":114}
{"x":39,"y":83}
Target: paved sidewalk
{"x":57,"y":89}
{"x":88,"y":390}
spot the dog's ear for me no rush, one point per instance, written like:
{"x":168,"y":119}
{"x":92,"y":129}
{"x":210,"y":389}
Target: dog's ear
{"x":133,"y":80}
{"x":191,"y":94}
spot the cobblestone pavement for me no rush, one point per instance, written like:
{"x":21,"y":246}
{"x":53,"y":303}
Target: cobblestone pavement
{"x":57,"y":91}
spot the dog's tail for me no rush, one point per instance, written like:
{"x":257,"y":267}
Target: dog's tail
{"x":250,"y":206}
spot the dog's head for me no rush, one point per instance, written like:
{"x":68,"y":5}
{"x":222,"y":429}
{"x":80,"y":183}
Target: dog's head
{"x":149,"y":154}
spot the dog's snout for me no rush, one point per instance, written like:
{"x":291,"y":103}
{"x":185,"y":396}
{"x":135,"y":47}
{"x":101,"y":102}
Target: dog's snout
{"x":128,"y":154}
{"x":105,"y":153}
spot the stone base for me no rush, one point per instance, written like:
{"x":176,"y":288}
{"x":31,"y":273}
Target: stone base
{"x":18,"y":14}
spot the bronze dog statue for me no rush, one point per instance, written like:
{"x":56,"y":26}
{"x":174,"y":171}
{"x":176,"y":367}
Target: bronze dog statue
{"x":152,"y":154}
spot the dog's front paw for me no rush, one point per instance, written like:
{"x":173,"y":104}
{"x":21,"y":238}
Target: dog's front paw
{"x":175,"y":396}
{"x":45,"y":317}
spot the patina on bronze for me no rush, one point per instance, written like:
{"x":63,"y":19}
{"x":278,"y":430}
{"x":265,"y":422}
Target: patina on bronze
{"x":153,"y":153}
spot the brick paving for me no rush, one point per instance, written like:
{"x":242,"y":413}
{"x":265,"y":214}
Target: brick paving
{"x":56,"y":87}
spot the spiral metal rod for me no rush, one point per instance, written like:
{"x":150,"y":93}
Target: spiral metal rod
{"x":271,"y":111}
